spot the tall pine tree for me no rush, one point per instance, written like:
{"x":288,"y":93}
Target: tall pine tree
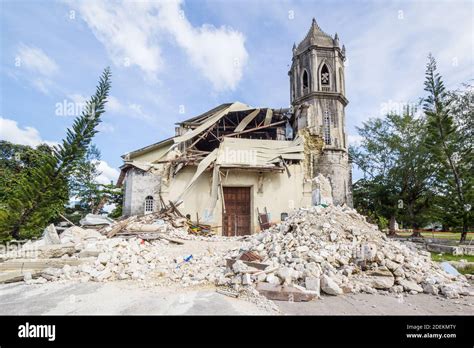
{"x":41,"y":195}
{"x":447,"y":143}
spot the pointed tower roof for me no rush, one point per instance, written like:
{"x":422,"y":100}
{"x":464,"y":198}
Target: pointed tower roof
{"x":315,"y":36}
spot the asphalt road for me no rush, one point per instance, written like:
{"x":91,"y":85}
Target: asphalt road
{"x":124,"y":297}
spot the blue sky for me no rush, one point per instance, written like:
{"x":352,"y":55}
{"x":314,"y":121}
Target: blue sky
{"x":174,"y":60}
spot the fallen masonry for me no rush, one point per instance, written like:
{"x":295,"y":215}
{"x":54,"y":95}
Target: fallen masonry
{"x":334,"y":250}
{"x":87,"y":255}
{"x":320,"y":250}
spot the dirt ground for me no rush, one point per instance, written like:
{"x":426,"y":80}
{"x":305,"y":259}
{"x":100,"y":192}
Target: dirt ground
{"x":134,"y":298}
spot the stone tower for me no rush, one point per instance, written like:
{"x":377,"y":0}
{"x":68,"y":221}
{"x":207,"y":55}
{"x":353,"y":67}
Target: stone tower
{"x":317,"y":89}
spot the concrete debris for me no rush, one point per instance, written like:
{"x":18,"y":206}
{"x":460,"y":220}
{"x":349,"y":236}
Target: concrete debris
{"x":50,"y":235}
{"x":448,"y":268}
{"x":331,"y":250}
{"x":77,"y":235}
{"x":322,"y":193}
{"x":329,"y":286}
{"x":96,"y":220}
{"x":335,"y":250}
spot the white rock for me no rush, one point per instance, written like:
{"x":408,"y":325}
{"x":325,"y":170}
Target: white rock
{"x":313,"y":284}
{"x":286,"y":274}
{"x":246,"y":279}
{"x":329,"y":286}
{"x":410,"y":285}
{"x":430,"y":289}
{"x":27,"y":276}
{"x":272,"y":279}
{"x":50,"y":235}
{"x":103,"y":258}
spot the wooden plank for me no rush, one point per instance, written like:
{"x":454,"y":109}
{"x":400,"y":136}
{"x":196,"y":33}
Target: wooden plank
{"x":247,"y":119}
{"x":256,"y":128}
{"x":153,"y":235}
{"x":119,"y":226}
{"x":268,"y":117}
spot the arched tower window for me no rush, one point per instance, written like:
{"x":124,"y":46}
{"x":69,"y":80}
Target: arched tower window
{"x":325,"y":78}
{"x":149,"y":204}
{"x":305,"y":82}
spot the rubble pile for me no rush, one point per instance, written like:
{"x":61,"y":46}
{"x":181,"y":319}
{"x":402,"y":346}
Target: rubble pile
{"x":155,"y":225}
{"x":107,"y":259}
{"x":335,"y":250}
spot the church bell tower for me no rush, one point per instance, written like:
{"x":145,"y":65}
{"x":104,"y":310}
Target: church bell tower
{"x":318,"y":99}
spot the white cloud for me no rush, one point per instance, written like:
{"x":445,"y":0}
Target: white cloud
{"x":130,"y":32}
{"x":10,"y":131}
{"x":108,"y":173}
{"x":105,"y":127}
{"x":133,"y":110}
{"x":34,"y":65}
{"x":78,"y":98}
{"x":137,"y":112}
{"x":387,"y":59}
{"x":219,"y":53}
{"x":126,"y":31}
{"x":114,"y":105}
{"x":35,"y":60}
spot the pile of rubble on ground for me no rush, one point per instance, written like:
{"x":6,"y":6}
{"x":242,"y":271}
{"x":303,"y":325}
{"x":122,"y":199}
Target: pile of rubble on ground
{"x":88,"y":255}
{"x":335,"y":250}
{"x":168,"y":219}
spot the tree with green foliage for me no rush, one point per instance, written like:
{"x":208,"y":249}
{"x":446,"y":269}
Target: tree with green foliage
{"x":16,"y":164}
{"x":40,"y":195}
{"x":397,"y":169}
{"x":83,"y":184}
{"x":450,"y":142}
{"x":114,"y":195}
{"x":90,"y":195}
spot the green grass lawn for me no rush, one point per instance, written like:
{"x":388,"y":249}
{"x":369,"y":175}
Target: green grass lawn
{"x":440,"y":235}
{"x":448,"y":257}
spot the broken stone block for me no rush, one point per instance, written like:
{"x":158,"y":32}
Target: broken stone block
{"x":50,"y":235}
{"x":272,"y":279}
{"x":239,"y":266}
{"x":27,"y":276}
{"x":399,"y":272}
{"x":381,"y":278}
{"x":449,"y":291}
{"x":315,"y":257}
{"x":246,"y":279}
{"x":236,"y":280}
{"x":430,"y":289}
{"x":104,"y":275}
{"x":329,"y":286}
{"x":286,"y":274}
{"x":313,"y":284}
{"x":103,"y":258}
{"x":410,"y":285}
{"x":88,"y":253}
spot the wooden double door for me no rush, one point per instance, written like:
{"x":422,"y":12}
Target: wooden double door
{"x":237,"y":215}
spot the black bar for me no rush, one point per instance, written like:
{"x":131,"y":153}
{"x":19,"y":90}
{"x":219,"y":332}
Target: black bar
{"x":262,"y":330}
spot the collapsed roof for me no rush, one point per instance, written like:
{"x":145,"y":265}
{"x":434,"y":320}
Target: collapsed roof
{"x":232,"y":135}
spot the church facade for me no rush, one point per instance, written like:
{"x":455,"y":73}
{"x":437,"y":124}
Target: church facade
{"x":229,"y":165}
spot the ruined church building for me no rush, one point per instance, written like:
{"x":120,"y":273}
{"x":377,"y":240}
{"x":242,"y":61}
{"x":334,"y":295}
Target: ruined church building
{"x":228,"y":164}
